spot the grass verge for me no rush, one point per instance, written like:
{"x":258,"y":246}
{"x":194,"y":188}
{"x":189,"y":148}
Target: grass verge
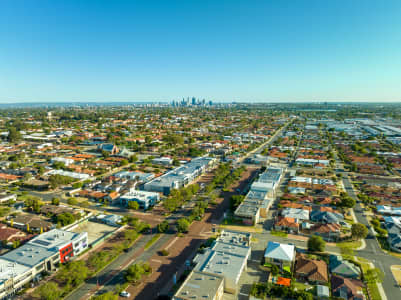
{"x":152,"y":241}
{"x":278,"y":233}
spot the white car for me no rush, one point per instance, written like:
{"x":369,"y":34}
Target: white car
{"x":125,"y":294}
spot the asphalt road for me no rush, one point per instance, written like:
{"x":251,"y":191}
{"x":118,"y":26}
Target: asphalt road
{"x":373,"y":251}
{"x":112,"y":274}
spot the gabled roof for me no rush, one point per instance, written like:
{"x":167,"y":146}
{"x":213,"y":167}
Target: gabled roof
{"x":326,"y":216}
{"x":280,"y":251}
{"x":343,"y":267}
{"x":344,"y":287}
{"x":314,"y":270}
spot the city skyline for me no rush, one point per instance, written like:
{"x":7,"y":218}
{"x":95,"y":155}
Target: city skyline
{"x":224,"y":51}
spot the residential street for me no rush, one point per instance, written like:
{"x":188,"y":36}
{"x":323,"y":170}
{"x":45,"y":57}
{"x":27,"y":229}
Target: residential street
{"x":373,"y":251}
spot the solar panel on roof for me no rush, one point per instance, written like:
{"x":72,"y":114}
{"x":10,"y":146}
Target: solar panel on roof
{"x":41,"y":242}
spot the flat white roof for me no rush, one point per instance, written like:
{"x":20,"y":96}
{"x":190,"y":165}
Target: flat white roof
{"x":140,"y":195}
{"x":54,"y":238}
{"x":10,"y":269}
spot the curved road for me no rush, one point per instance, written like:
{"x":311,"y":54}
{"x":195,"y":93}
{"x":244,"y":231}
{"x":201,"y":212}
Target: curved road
{"x":373,"y":251}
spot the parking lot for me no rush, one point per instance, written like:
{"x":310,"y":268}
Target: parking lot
{"x":94,"y":230}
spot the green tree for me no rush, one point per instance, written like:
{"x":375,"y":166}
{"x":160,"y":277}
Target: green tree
{"x":72,"y":201}
{"x":64,"y":219}
{"x":124,"y":162}
{"x":134,"y":273}
{"x":56,"y":201}
{"x":163,"y":226}
{"x":274,"y":270}
{"x":182,"y":225}
{"x":316,"y":243}
{"x":14,"y":136}
{"x":133,"y":205}
{"x":130,"y":234}
{"x":133,"y":159}
{"x":49,"y":291}
{"x":73,"y":272}
{"x":33,"y":203}
{"x":77,"y":185}
{"x":347,"y":201}
{"x":359,"y":231}
{"x":105,"y":154}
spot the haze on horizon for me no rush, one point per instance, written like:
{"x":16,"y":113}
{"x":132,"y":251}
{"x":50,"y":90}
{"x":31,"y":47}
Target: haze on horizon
{"x":269,"y":51}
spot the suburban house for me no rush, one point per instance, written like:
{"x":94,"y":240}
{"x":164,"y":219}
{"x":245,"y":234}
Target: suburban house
{"x":8,"y":234}
{"x":326,"y":217}
{"x":7,"y":197}
{"x":287,"y":224}
{"x":30,"y":223}
{"x":329,"y":232}
{"x":282,"y":255}
{"x":295,"y":213}
{"x":393,"y":226}
{"x":343,"y":268}
{"x":348,"y":289}
{"x":311,"y":270}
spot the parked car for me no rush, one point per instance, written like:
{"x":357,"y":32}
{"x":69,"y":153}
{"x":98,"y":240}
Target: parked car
{"x":125,"y":294}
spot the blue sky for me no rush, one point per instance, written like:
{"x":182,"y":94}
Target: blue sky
{"x":223,"y":50}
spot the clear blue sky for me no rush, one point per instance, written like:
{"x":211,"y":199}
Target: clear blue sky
{"x":283,"y":50}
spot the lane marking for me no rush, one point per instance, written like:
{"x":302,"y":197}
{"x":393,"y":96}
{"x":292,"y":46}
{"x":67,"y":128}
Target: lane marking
{"x":172,"y":242}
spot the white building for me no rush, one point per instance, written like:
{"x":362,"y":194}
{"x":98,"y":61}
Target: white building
{"x":42,"y":253}
{"x":179,"y":177}
{"x":65,"y":161}
{"x":80,"y":176}
{"x":143,"y":198}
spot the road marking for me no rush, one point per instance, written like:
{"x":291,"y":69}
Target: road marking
{"x":172,"y":242}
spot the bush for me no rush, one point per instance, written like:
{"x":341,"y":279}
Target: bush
{"x":164,"y":252}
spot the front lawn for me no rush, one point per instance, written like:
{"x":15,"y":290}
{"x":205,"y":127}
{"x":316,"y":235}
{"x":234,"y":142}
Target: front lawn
{"x":278,"y":233}
{"x":299,"y":286}
{"x":350,"y":245}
